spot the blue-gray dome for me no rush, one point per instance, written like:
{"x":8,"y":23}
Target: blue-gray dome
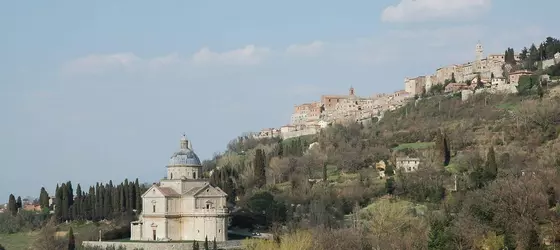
{"x":185,"y":156}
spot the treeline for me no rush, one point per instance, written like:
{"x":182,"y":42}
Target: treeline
{"x":99,"y":202}
{"x":530,"y":56}
{"x":102,"y":201}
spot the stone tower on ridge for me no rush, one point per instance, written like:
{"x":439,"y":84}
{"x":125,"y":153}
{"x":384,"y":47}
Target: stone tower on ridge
{"x":479,"y":52}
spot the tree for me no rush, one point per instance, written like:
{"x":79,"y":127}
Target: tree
{"x":325,"y":174}
{"x":46,"y":239}
{"x":44,"y":198}
{"x":214,"y":244}
{"x":523,"y":54}
{"x":206,"y":243}
{"x":71,"y":240}
{"x":540,"y":91}
{"x":389,"y":170}
{"x":2,"y":247}
{"x":442,"y":147}
{"x":491,"y":168}
{"x":259,"y":165}
{"x":438,"y":238}
{"x":195,"y":245}
{"x":19,"y":203}
{"x":12,"y":206}
{"x":534,"y":242}
{"x":453,"y":77}
{"x":390,"y":185}
{"x":492,"y":75}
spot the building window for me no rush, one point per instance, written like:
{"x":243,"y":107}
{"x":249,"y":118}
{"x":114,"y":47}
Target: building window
{"x":194,"y":175}
{"x":171,"y":176}
{"x":207,"y":206}
{"x":153,"y":208}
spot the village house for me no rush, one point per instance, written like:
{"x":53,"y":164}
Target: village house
{"x":407,"y":164}
{"x":514,"y":76}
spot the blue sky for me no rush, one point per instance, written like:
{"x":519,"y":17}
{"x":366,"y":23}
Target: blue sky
{"x":99,"y":90}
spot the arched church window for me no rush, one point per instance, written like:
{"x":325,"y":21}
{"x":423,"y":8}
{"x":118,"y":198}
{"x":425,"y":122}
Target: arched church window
{"x":194,"y":175}
{"x":153,"y":208}
{"x":171,"y":176}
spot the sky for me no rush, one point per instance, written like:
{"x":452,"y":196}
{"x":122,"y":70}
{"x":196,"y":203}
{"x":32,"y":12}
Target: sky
{"x":92,"y":91}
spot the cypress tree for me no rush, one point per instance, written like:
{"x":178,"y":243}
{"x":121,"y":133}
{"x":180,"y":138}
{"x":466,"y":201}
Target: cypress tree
{"x":491,"y":168}
{"x":44,"y":198}
{"x":259,"y":168}
{"x":70,"y":191}
{"x":65,"y":202}
{"x":325,"y":174}
{"x":206,"y":243}
{"x":389,"y":170}
{"x":58,"y":203}
{"x":12,"y":206}
{"x":195,"y":245}
{"x":131,"y":197}
{"x":390,"y":185}
{"x":446,"y":151}
{"x":19,"y":203}
{"x":280,"y":148}
{"x":214,"y":244}
{"x":71,"y":240}
{"x":138,"y":205}
{"x":78,"y":207}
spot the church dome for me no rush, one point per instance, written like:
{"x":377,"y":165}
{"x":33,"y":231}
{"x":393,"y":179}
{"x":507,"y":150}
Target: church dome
{"x":185,"y":155}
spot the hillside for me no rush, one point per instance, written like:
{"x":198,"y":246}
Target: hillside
{"x":501,"y":148}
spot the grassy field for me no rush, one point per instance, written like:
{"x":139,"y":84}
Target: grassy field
{"x":17,"y":241}
{"x":414,"y":145}
{"x":22,"y":241}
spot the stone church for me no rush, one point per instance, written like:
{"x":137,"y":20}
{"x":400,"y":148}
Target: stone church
{"x":183,"y":206}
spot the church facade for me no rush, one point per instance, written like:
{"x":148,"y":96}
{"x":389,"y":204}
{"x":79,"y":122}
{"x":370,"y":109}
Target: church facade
{"x":182,"y":206}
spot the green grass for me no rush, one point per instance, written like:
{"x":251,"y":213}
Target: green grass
{"x":22,"y":240}
{"x":17,"y":241}
{"x":507,"y":106}
{"x":414,"y":145}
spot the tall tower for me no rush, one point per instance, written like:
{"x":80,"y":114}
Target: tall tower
{"x":479,"y":52}
{"x":351,"y":90}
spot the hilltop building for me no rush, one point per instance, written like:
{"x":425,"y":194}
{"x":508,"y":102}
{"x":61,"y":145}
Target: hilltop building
{"x":183,"y":206}
{"x":487,"y":68}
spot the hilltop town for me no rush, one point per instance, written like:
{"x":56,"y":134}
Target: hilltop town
{"x":494,"y":73}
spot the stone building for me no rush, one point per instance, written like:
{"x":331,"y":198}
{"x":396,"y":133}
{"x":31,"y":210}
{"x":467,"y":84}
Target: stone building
{"x":485,"y":67}
{"x":415,"y":86}
{"x":514,"y":76}
{"x":306,"y":112}
{"x":407,"y":164}
{"x":183,"y":206}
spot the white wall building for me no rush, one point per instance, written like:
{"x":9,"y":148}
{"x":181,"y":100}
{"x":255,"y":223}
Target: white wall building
{"x":182,"y":206}
{"x":407,"y":164}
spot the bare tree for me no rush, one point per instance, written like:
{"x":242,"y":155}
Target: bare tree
{"x":46,"y":238}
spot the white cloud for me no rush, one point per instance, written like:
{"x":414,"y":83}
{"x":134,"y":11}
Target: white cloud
{"x":97,"y":63}
{"x":311,"y":49}
{"x":424,"y":10}
{"x":431,"y":46}
{"x":249,"y":55}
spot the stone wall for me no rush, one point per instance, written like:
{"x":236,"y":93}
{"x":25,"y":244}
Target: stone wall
{"x":292,"y":134}
{"x":231,"y":244}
